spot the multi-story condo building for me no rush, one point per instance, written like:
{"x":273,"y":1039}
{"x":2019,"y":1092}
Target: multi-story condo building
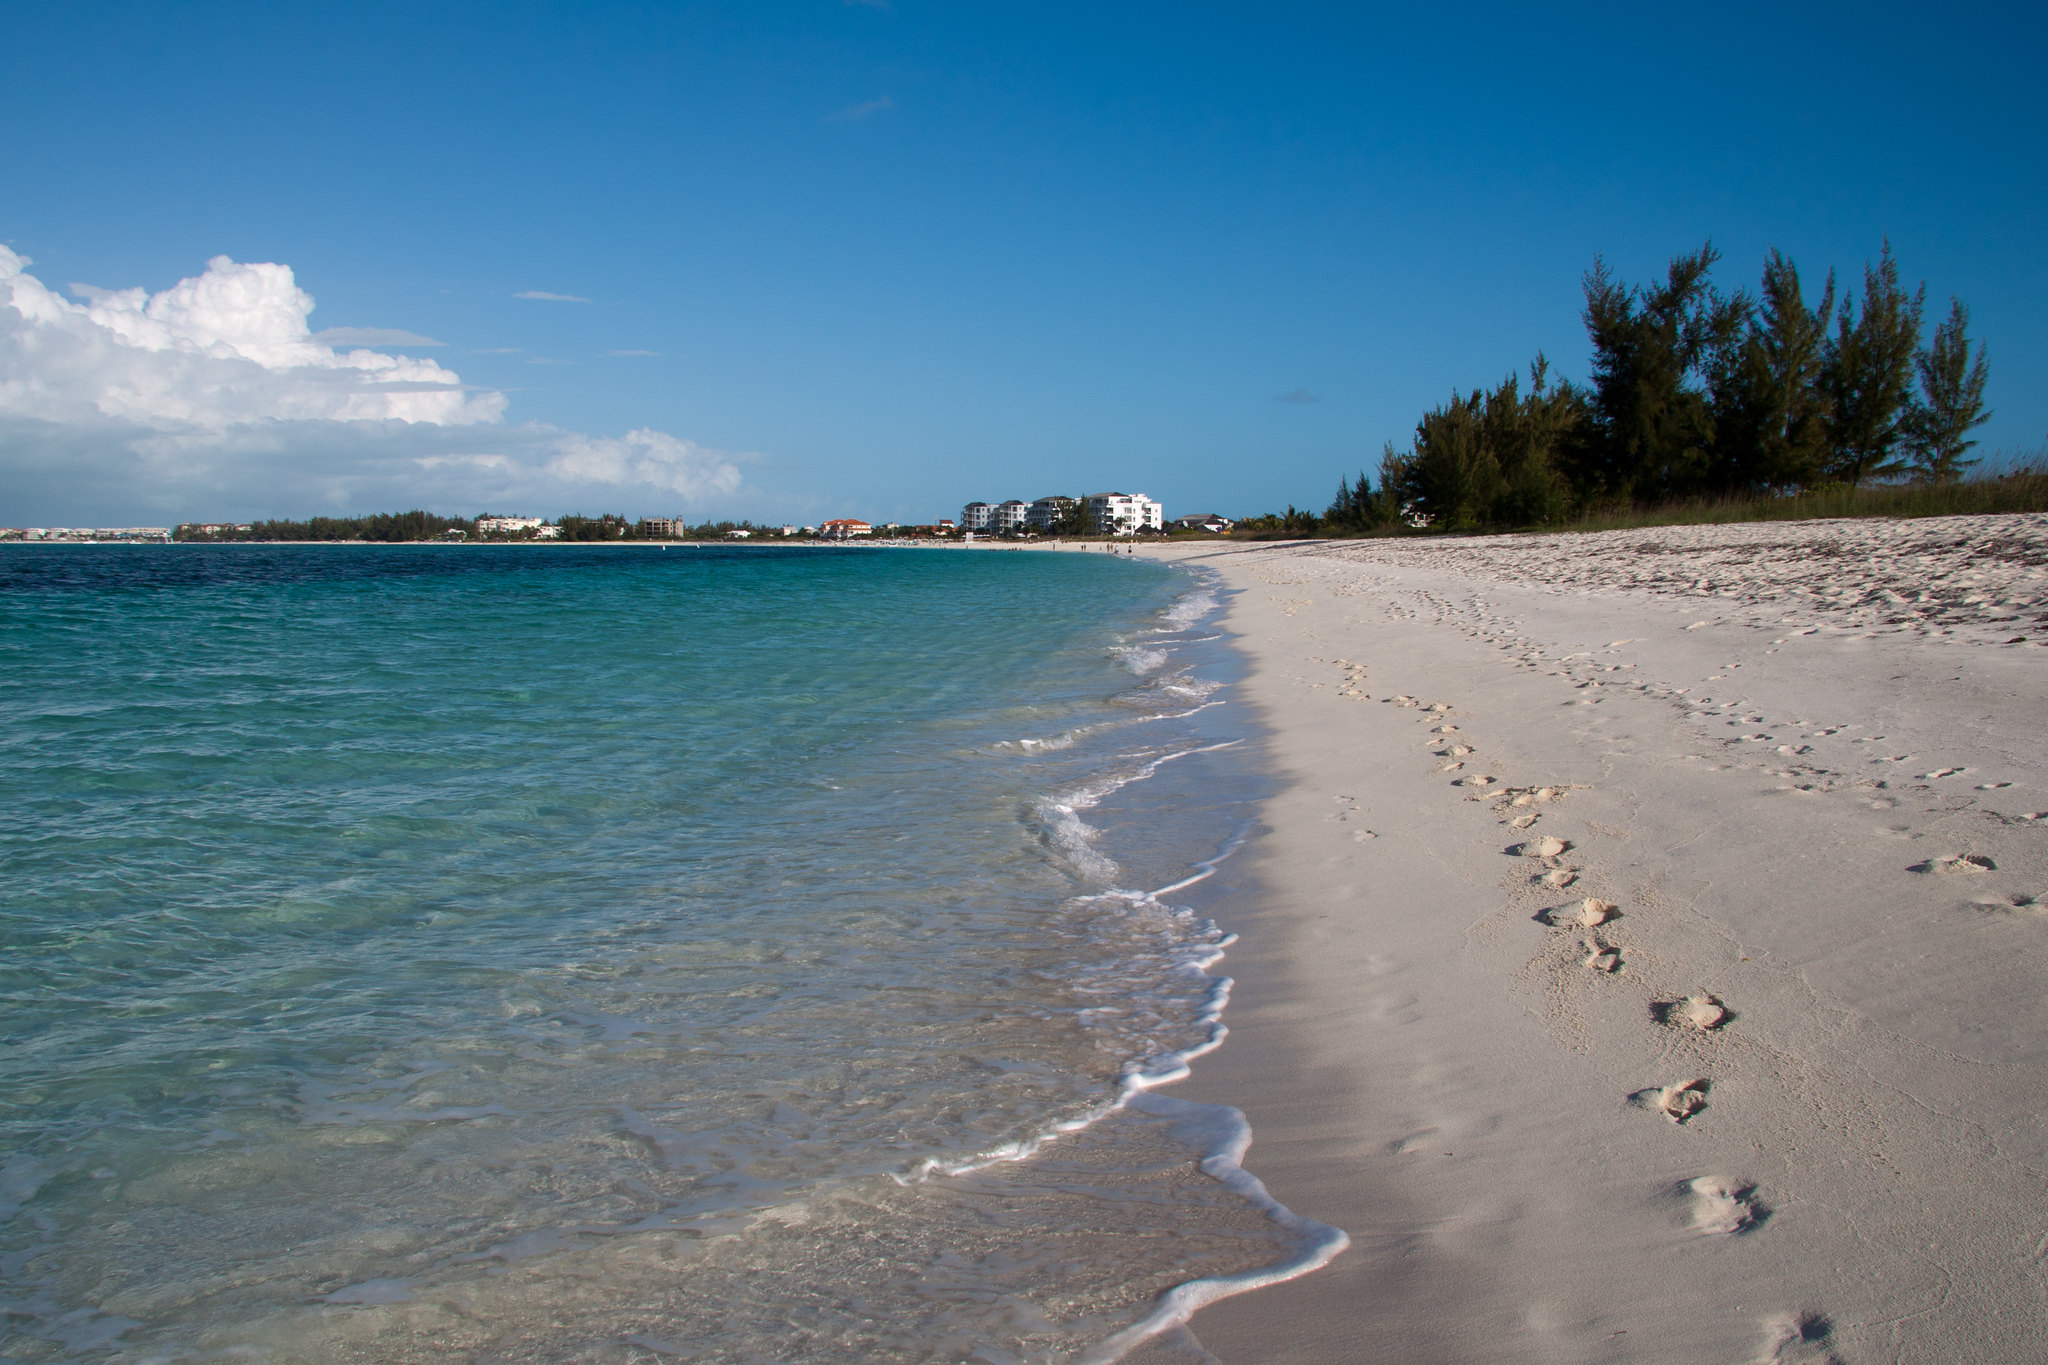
{"x":1124,"y":514}
{"x":974,"y":516}
{"x":1007,"y":518}
{"x":487,"y":525}
{"x":1045,"y":513}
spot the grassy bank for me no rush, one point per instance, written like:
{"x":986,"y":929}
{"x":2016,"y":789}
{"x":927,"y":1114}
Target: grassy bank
{"x":2024,"y":490}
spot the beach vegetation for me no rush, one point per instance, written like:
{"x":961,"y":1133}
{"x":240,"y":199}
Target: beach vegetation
{"x":1703,"y":405}
{"x":380,"y":527}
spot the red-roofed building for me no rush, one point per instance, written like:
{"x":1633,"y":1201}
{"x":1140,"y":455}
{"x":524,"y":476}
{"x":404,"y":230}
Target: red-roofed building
{"x":843,"y":528}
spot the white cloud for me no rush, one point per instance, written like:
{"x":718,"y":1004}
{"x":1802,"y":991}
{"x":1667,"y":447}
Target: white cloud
{"x":214,"y":398}
{"x":227,"y":346}
{"x":368,"y":336}
{"x":646,"y":457}
{"x":854,"y":113}
{"x":632,"y":352}
{"x":551,"y":298}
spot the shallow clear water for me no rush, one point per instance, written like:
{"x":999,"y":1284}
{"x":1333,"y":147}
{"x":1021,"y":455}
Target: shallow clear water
{"x":430,"y":952}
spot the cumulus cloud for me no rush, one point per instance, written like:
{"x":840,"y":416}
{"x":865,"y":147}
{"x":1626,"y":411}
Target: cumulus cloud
{"x":551,"y":298}
{"x":227,"y":346}
{"x":214,"y":398}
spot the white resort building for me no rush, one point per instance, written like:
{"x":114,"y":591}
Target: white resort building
{"x":1109,"y":514}
{"x":1124,"y":514}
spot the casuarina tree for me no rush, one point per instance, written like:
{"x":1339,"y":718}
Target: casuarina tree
{"x":1951,"y":400}
{"x":1870,"y":375}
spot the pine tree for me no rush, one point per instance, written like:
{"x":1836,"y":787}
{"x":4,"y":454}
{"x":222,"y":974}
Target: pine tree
{"x":1951,"y":400}
{"x":1770,"y":407}
{"x":1870,"y":374}
{"x":1652,"y":429}
{"x":1355,"y":508}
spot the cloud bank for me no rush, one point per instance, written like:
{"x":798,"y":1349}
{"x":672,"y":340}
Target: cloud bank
{"x":213,"y":398}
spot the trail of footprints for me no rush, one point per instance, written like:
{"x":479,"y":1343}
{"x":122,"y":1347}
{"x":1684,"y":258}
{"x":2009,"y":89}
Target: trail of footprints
{"x":1816,"y":757}
{"x":1714,"y":1204}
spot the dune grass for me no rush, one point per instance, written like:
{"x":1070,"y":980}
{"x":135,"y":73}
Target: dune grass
{"x":2023,"y":490}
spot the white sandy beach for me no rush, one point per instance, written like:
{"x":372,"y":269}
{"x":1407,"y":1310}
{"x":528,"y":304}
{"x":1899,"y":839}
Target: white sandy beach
{"x":1753,"y":1066}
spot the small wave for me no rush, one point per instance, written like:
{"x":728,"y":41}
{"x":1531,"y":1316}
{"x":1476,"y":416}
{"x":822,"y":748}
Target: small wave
{"x":1191,"y":606}
{"x":1221,"y":1133}
{"x":1075,"y":837}
{"x":1142,"y":659}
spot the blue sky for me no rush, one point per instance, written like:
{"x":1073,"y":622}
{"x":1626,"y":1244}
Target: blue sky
{"x":882,"y":259}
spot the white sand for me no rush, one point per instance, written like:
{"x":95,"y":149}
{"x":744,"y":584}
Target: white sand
{"x":1773,"y":753}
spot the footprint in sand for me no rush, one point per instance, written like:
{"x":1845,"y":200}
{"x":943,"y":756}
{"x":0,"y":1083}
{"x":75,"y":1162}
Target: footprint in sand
{"x":1720,"y":1205}
{"x":1479,"y":780}
{"x":1558,"y":878}
{"x":1601,"y":957}
{"x":2008,"y":904}
{"x":1798,"y":1339}
{"x":1461,"y":750}
{"x":1403,"y":700}
{"x":1589,"y":913}
{"x":1964,"y":863}
{"x":1675,"y":1102}
{"x":1943,"y":772}
{"x":1548,"y":846}
{"x":1524,"y":821}
{"x":1992,"y":786}
{"x":1699,"y":1011}
{"x":1451,"y":766}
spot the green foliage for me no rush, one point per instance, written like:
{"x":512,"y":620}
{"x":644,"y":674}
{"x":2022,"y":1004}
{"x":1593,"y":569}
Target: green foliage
{"x":1770,"y":409}
{"x":1074,"y":519}
{"x":1869,"y":375}
{"x":1487,"y":459}
{"x":384,"y":527}
{"x":1951,"y":401}
{"x":1696,"y":399}
{"x":1293,"y":524}
{"x":1356,"y":509}
{"x":609,"y":526}
{"x":1655,"y":349}
{"x":2022,"y":490}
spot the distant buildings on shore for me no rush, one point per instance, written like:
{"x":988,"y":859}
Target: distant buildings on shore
{"x":1098,"y":514}
{"x":1103,"y":514}
{"x":88,"y":535}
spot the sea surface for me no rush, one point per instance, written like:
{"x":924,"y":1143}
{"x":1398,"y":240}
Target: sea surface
{"x":615,"y":954}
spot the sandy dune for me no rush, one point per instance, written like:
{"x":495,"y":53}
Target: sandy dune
{"x":1652,"y":960}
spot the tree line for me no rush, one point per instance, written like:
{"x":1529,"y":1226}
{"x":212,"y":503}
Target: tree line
{"x":398,"y":527}
{"x":384,"y":527}
{"x":1693,"y":394}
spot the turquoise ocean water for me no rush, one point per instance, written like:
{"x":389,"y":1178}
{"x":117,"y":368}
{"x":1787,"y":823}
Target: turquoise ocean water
{"x":428,"y":953}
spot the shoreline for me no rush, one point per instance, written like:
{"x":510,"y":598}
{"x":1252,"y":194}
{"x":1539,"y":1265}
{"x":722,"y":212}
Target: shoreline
{"x":1819,"y":815}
